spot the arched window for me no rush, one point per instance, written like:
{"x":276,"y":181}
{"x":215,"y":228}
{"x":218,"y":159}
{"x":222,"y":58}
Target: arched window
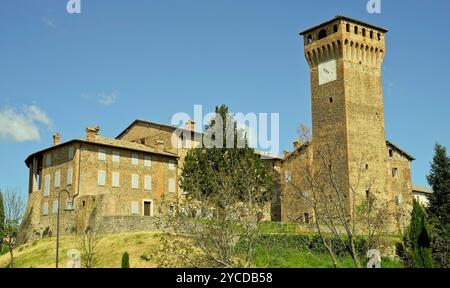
{"x":371,"y":34}
{"x":310,"y":39}
{"x":322,"y":34}
{"x":364,"y":32}
{"x":356,"y":29}
{"x":379,"y":37}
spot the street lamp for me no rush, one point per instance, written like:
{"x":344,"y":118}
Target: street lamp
{"x":68,"y":207}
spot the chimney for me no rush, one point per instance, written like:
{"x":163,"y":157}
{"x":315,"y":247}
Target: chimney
{"x":190,"y":125}
{"x":297,"y":144}
{"x":56,"y":138}
{"x":286,"y":153}
{"x":92,"y":132}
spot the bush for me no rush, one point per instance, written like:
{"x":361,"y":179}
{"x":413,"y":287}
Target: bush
{"x":125,"y":260}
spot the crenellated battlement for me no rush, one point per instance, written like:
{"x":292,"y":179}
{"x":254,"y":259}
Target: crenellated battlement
{"x":347,"y":39}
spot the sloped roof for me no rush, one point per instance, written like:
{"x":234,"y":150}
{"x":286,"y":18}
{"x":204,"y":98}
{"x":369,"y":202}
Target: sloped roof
{"x":421,"y":189}
{"x":108,"y":142}
{"x":345,"y":18}
{"x":139,"y":121}
{"x":409,"y":156}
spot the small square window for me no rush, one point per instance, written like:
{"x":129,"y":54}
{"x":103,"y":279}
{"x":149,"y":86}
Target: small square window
{"x":70,"y":153}
{"x":147,"y":161}
{"x":115,"y":179}
{"x":101,"y":154}
{"x":116,"y":157}
{"x":134,"y":208}
{"x":171,"y":165}
{"x":135,"y":181}
{"x":394,"y":172}
{"x":101,"y":178}
{"x":135,"y":159}
{"x":69,"y":176}
{"x":45,"y":209}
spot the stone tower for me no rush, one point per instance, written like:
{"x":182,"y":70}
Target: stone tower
{"x":345,"y":57}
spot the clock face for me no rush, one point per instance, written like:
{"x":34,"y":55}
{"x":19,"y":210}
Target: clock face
{"x":327,"y":72}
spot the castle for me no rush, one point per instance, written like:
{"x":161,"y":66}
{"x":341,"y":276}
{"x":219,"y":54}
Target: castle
{"x":129,"y":175}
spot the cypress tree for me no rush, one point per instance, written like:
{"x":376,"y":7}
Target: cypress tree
{"x":438,"y":211}
{"x":419,"y":239}
{"x":125,"y":260}
{"x":2,"y":221}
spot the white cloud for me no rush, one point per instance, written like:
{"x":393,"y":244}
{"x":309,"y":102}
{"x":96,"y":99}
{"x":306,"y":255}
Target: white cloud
{"x":103,"y":99}
{"x":22,"y":125}
{"x":107,"y":99}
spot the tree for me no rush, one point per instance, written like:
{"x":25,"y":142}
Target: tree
{"x":419,"y":239}
{"x":228,"y":188}
{"x":341,"y":211}
{"x":438,"y":211}
{"x":125,"y":260}
{"x":90,"y":237}
{"x":14,"y":207}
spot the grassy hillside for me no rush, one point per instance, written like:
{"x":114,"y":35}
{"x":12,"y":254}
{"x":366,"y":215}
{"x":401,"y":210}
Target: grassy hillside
{"x":41,"y":254}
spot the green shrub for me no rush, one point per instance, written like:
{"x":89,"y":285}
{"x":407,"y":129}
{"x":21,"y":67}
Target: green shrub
{"x":125,"y":260}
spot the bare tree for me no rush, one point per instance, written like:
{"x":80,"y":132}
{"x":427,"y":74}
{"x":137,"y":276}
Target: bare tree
{"x":215,"y":230}
{"x":90,"y":237}
{"x":14,"y":208}
{"x":341,"y":210}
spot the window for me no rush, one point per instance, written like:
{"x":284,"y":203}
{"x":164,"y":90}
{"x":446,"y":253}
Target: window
{"x":364,"y":32}
{"x":101,"y":178}
{"x":310,"y":39}
{"x":69,"y":176}
{"x":347,"y":27}
{"x":135,"y":159}
{"x":287,"y":176}
{"x":135,"y":181}
{"x":171,"y":165}
{"x":367,"y":166}
{"x":45,"y":209}
{"x":134,"y":208}
{"x":335,"y":28}
{"x":171,"y":185}
{"x":55,"y":207}
{"x":70,"y":153}
{"x":116,"y":157}
{"x":394,"y":172}
{"x":371,"y":34}
{"x":57,"y":181}
{"x":356,"y":29}
{"x":147,"y":161}
{"x":398,"y":200}
{"x":378,"y":36}
{"x":147,"y":182}
{"x":322,"y":34}
{"x":391,"y":153}
{"x":101,"y":154}
{"x":48,"y":160}
{"x":115,"y":179}
{"x":47,"y":185}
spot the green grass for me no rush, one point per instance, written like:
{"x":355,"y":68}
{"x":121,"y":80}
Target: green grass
{"x":141,"y":246}
{"x":292,"y":258}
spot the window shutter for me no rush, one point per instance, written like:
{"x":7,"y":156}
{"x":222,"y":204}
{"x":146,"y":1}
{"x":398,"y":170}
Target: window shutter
{"x":147,"y":161}
{"x":70,"y":153}
{"x":115,"y":179}
{"x":148,"y":182}
{"x":171,"y":165}
{"x":69,"y":176}
{"x":171,"y":185}
{"x":116,"y":157}
{"x":135,"y":159}
{"x":101,"y":178}
{"x":101,"y":154}
{"x":135,"y":181}
{"x":47,"y":185}
{"x":57,"y":179}
{"x":55,"y":206}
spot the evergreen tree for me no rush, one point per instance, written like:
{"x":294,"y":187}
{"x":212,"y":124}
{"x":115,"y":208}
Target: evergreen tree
{"x":419,"y":239}
{"x":438,"y":211}
{"x":125,"y":260}
{"x":234,"y":159}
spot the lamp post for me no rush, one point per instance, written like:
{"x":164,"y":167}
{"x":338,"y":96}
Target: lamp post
{"x":68,"y":207}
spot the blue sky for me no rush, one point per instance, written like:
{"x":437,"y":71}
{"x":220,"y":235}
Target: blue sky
{"x":122,"y":60}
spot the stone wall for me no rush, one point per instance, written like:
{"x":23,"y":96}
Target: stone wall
{"x":123,"y":224}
